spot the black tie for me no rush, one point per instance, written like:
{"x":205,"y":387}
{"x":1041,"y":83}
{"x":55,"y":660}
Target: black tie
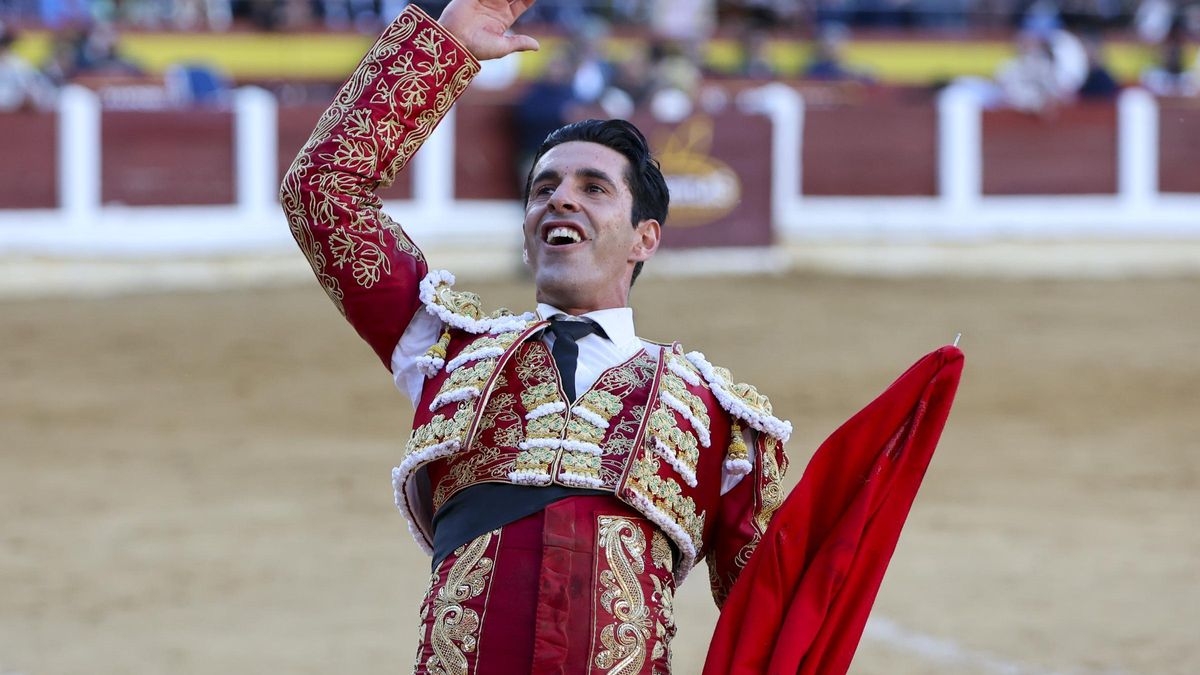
{"x":566,"y":349}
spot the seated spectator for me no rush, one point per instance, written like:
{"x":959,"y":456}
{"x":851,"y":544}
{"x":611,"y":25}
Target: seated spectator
{"x":676,"y":79}
{"x":1171,"y":77}
{"x":99,"y":54}
{"x":22,"y":87}
{"x":826,"y":62}
{"x":1099,"y":83}
{"x":593,"y":71}
{"x":754,"y":61}
{"x":1029,"y":81}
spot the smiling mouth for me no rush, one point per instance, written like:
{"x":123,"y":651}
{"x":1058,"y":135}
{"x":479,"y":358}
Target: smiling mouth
{"x":562,"y":236}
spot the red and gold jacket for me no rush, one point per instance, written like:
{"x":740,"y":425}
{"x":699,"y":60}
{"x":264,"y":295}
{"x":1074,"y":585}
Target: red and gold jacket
{"x":665,"y":431}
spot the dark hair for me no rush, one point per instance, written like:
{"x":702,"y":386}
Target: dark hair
{"x":643,"y":176}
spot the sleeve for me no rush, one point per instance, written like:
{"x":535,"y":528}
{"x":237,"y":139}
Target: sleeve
{"x":746,"y":509}
{"x":383,"y":113}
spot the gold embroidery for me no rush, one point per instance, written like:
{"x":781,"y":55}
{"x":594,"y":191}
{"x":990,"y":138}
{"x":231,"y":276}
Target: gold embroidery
{"x":548,"y":426}
{"x":426,"y":607}
{"x":455,"y":627}
{"x":535,"y":366}
{"x":600,"y":403}
{"x":469,"y":305}
{"x":440,"y":429}
{"x":473,"y":376}
{"x":772,"y":490}
{"x":624,"y":640}
{"x":539,"y":394}
{"x":466,"y":467}
{"x":746,"y":393}
{"x":535,"y":461}
{"x":584,"y":431}
{"x":666,"y":495}
{"x":737,"y":444}
{"x":663,"y":596}
{"x":500,"y":342}
{"x":675,"y":387}
{"x":438,"y":350}
{"x":462,"y":303}
{"x":535,"y":372}
{"x":340,"y":199}
{"x":771,"y":496}
{"x":499,"y":409}
{"x":680,"y":444}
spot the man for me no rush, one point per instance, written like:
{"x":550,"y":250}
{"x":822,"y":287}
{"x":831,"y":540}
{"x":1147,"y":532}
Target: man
{"x":564,"y":474}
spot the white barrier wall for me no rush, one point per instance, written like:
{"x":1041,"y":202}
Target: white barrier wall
{"x":82,"y":225}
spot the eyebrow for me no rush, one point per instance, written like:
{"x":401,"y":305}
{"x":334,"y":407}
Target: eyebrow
{"x":595,"y":174}
{"x":586,"y":172}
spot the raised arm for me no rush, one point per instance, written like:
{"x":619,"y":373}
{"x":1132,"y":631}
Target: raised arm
{"x":383,"y":113}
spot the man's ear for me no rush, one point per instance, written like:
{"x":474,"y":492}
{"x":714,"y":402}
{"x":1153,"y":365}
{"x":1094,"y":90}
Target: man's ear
{"x":649,"y":234}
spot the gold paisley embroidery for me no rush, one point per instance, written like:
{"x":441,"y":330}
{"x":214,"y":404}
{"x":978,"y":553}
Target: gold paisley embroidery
{"x":624,"y":640}
{"x":455,"y":631}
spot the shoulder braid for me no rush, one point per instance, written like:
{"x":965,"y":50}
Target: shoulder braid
{"x":463,"y":310}
{"x":741,"y":400}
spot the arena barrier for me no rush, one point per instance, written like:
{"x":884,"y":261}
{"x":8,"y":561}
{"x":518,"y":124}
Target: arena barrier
{"x":965,"y":178}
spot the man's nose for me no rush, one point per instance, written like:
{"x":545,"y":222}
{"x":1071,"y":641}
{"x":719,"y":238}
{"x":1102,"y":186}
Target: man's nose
{"x":563,"y":199}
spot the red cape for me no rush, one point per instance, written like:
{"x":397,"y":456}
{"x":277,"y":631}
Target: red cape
{"x":802,"y":601}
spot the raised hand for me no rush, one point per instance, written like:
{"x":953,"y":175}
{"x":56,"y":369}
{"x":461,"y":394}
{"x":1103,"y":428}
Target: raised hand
{"x":482,"y":26}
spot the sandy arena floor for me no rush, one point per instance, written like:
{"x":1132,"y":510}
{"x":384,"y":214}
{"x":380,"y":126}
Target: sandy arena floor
{"x":199,"y":482}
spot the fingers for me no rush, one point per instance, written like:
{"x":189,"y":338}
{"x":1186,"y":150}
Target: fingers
{"x":518,"y":7}
{"x":522,"y":43}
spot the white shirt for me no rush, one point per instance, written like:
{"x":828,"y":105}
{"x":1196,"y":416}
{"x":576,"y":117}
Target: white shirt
{"x":596,"y":354}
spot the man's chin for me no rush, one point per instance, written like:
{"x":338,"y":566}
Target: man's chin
{"x":564,"y":288}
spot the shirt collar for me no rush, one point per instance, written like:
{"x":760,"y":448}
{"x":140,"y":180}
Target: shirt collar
{"x":616,"y":322}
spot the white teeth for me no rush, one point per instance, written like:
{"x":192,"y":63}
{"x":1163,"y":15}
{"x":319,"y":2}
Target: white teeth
{"x":562,"y":235}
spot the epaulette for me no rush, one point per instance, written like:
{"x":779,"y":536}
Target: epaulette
{"x":462,"y":310}
{"x":741,"y":400}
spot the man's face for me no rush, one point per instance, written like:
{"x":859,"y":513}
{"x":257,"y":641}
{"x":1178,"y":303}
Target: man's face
{"x":579,"y":238}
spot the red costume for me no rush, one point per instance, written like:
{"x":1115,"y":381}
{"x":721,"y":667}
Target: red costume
{"x":681,"y":462}
{"x":671,"y":459}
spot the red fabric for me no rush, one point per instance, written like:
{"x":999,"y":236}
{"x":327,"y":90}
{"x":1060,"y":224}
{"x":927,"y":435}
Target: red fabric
{"x":802,"y":602}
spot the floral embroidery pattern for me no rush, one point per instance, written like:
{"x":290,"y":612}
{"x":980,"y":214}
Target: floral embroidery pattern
{"x":329,"y":189}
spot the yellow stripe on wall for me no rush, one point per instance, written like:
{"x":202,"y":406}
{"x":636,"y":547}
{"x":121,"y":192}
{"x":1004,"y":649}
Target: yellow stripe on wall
{"x":332,"y":56}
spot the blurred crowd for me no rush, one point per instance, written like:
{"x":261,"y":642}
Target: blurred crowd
{"x":681,"y":16}
{"x":1059,"y":47}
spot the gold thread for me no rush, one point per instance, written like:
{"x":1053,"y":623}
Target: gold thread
{"x":624,"y":640}
{"x":455,"y":631}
